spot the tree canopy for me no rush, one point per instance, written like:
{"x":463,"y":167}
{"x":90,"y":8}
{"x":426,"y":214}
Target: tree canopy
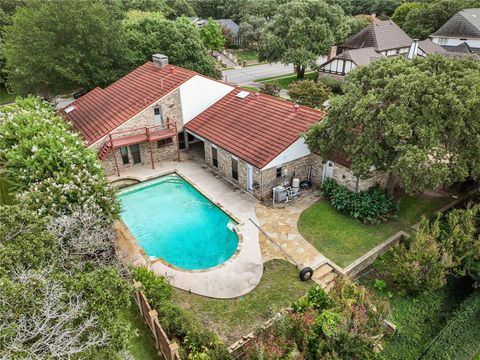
{"x":309,"y":93}
{"x":212,"y":35}
{"x":151,"y":33}
{"x":251,"y":30}
{"x":48,"y":50}
{"x":417,"y":120}
{"x":301,"y":31}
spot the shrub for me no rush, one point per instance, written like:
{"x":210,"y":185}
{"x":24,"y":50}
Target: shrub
{"x":333,"y":84}
{"x":156,"y":287}
{"x":271,"y":88}
{"x":420,"y":265}
{"x":309,"y":93}
{"x":48,"y":163}
{"x":368,"y":207}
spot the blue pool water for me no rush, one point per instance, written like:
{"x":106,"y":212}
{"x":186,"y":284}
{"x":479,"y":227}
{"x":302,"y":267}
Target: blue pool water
{"x":172,"y":220}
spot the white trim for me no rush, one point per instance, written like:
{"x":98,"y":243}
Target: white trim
{"x":296,"y":150}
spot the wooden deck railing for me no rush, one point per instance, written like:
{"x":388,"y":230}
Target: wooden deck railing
{"x":168,"y":349}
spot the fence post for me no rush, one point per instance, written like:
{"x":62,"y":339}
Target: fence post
{"x":174,"y":351}
{"x":153,"y":316}
{"x":137,"y":286}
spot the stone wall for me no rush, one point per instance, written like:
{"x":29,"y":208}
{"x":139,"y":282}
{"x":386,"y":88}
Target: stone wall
{"x":172,"y":109}
{"x":344,"y":176}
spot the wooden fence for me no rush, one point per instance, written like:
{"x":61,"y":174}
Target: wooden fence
{"x":169,"y":350}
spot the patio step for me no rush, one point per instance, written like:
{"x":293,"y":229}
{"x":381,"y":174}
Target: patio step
{"x":325,"y":276}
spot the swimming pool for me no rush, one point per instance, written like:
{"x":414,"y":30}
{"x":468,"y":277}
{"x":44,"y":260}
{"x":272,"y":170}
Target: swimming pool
{"x":173,"y":221}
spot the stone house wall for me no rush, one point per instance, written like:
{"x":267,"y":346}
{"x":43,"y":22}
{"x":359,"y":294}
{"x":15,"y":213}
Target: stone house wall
{"x":344,"y":176}
{"x":172,"y":109}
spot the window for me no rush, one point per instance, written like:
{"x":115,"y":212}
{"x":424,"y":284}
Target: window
{"x":164,"y":142}
{"x":442,"y":41}
{"x":124,"y":155}
{"x":234,"y":168}
{"x":214,"y":157}
{"x":157,"y":115}
{"x":135,"y":152}
{"x":279,"y":172}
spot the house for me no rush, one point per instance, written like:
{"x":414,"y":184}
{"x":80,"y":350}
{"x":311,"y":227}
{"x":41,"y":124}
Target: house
{"x":378,"y":40}
{"x":159,"y":110}
{"x":229,"y":26}
{"x":461,"y":33}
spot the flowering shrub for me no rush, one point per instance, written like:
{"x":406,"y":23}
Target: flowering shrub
{"x":48,"y":163}
{"x":368,"y":207}
{"x":344,"y":324}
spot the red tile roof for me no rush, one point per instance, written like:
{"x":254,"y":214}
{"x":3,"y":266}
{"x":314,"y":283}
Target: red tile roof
{"x":102,"y":110}
{"x":256,"y":128}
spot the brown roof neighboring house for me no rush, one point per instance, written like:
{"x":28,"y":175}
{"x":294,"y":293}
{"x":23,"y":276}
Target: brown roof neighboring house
{"x":429,"y":47}
{"x":255,"y":127}
{"x":362,"y":56}
{"x":381,"y":35}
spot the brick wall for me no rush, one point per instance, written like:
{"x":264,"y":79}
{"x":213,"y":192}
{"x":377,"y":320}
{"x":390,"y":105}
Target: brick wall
{"x":172,"y":109}
{"x":344,"y":176}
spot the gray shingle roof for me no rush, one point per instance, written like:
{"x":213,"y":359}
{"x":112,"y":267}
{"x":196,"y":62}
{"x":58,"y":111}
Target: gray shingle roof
{"x":429,"y":47}
{"x":381,"y":35}
{"x":230,"y":25}
{"x":363,"y":56}
{"x":464,"y":24}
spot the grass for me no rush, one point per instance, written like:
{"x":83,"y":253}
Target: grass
{"x":5,"y":97}
{"x":418,"y":319}
{"x":343,"y":240}
{"x":234,"y":318}
{"x":247,"y":55}
{"x":284,"y":81}
{"x":142,"y":347}
{"x":250,"y":88}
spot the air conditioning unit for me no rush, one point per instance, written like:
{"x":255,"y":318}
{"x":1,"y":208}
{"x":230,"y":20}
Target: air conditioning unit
{"x":279,"y":194}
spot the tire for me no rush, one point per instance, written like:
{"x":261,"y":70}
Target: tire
{"x":306,"y":274}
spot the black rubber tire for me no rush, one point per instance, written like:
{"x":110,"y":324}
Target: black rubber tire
{"x":306,"y":274}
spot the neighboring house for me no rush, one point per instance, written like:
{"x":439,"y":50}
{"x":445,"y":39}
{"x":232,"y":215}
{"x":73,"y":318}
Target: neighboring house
{"x":151,"y":114}
{"x":461,"y":33}
{"x":379,"y":39}
{"x":229,"y":25}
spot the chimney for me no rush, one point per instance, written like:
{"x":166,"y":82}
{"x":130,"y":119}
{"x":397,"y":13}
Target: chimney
{"x":332,"y":52}
{"x":160,"y":61}
{"x":412,"y":52}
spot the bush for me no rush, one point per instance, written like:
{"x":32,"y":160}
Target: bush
{"x":421,"y":264}
{"x":309,"y":93}
{"x":271,"y":88}
{"x":196,"y":342}
{"x":333,"y":84}
{"x":368,"y":207}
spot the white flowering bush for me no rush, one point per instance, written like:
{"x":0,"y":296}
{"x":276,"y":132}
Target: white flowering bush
{"x":48,"y":162}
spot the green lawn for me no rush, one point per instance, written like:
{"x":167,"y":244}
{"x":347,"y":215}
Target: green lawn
{"x":5,"y":97}
{"x":418,"y":319}
{"x":343,"y":240}
{"x":284,"y":81}
{"x":247,"y":55}
{"x":234,"y":318}
{"x":250,"y":88}
{"x":142,"y":347}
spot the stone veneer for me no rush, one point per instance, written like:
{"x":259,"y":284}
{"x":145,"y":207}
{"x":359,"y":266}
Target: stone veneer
{"x":344,"y":176}
{"x":172,"y":110}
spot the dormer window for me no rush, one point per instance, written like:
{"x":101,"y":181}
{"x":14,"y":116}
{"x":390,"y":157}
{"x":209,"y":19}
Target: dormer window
{"x":158,"y":115}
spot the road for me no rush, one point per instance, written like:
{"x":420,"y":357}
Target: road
{"x":252,"y":73}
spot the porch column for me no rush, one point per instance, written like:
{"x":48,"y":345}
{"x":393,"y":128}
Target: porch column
{"x":185,"y":138}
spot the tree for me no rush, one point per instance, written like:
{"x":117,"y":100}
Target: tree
{"x":212,"y":35}
{"x":49,"y":51}
{"x":367,"y":7}
{"x":271,"y":88}
{"x":416,"y":120}
{"x":151,"y":33}
{"x":309,"y":93}
{"x":301,"y":31}
{"x":401,"y":12}
{"x":251,"y":30}
{"x":356,"y":23}
{"x":421,"y":21}
{"x":169,"y":8}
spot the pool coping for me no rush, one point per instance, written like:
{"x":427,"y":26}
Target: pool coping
{"x":130,"y":237}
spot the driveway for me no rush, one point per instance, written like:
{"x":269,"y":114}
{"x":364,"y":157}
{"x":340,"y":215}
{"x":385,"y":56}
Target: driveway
{"x":255,"y":72}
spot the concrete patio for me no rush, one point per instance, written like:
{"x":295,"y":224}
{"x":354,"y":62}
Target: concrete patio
{"x":238,"y":276}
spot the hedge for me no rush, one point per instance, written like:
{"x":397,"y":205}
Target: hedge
{"x":460,"y":338}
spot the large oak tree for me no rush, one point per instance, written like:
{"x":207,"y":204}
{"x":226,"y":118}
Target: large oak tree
{"x":301,"y":31}
{"x":417,"y":120}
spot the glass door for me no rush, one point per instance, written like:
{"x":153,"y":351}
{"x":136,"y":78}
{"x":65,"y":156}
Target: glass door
{"x":135,"y":153}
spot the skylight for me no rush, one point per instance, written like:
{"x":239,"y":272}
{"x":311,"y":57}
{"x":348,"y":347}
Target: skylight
{"x":70,"y":109}
{"x":242,"y":94}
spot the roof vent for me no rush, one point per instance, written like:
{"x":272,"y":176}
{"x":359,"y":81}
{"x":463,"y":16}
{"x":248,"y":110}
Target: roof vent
{"x":69,"y":109}
{"x":296,"y":107}
{"x":160,"y":61}
{"x":242,"y":94}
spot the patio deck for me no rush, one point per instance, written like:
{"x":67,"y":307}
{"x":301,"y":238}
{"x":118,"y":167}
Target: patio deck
{"x":238,"y":276}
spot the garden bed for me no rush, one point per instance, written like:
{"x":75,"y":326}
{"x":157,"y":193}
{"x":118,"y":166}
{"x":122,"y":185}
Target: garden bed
{"x":234,"y":318}
{"x":418,"y":319}
{"x":343,"y":239}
